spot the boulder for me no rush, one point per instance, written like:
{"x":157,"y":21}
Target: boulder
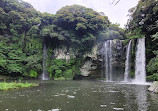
{"x":85,"y":69}
{"x":154,"y":87}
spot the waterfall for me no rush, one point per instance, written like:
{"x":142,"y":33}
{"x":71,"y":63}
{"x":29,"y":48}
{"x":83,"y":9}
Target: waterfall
{"x":111,"y":54}
{"x":106,"y":58}
{"x":111,"y":59}
{"x":127,"y":63}
{"x":106,"y":72}
{"x":140,"y":71}
{"x":44,"y":73}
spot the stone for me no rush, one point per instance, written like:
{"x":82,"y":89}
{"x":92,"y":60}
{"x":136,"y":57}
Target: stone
{"x":154,"y":87}
{"x":85,"y":69}
{"x":91,"y":63}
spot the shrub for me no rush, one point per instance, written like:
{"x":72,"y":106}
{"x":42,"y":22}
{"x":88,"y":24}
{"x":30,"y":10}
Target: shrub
{"x":33,"y":74}
{"x":68,"y":74}
{"x":153,"y":77}
{"x":58,"y":73}
{"x":60,"y":78}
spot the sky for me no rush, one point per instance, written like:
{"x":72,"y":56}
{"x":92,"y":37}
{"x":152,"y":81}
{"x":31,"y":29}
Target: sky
{"x":116,"y":13}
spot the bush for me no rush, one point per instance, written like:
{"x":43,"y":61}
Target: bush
{"x":60,"y":78}
{"x":58,"y":73}
{"x":33,"y":74}
{"x":68,"y":74}
{"x":153,"y":77}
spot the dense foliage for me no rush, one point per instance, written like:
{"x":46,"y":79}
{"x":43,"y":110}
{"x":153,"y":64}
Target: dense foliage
{"x":63,"y":68}
{"x":143,"y":22}
{"x":23,"y":31}
{"x":152,"y":66}
{"x":143,"y":19}
{"x":20,"y":46}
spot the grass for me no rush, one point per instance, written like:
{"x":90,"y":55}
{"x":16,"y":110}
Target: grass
{"x":7,"y":86}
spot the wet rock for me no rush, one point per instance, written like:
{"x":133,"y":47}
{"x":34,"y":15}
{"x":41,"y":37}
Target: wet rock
{"x":85,"y":69}
{"x":78,"y":77}
{"x":154,"y":87}
{"x":92,"y":64}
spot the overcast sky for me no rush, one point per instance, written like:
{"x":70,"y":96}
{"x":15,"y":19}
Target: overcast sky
{"x":116,"y":14}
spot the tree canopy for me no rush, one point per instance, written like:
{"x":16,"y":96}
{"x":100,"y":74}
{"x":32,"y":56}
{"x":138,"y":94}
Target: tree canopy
{"x":143,"y":18}
{"x":80,"y":18}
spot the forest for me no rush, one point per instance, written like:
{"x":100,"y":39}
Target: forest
{"x":24,"y":31}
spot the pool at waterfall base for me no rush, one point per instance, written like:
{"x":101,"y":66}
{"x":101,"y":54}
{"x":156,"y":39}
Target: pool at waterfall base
{"x":80,"y":96}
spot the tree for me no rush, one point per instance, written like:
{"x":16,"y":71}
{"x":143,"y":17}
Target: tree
{"x":153,"y":63}
{"x":80,"y":19}
{"x":144,"y":16}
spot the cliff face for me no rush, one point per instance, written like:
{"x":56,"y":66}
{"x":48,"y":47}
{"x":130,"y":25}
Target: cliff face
{"x":91,"y":66}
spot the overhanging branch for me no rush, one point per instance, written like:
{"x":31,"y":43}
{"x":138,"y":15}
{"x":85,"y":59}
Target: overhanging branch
{"x":115,"y":2}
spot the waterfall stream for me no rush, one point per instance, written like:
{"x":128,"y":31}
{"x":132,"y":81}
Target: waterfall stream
{"x":127,"y":63}
{"x":44,"y":73}
{"x":107,"y":60}
{"x":111,"y":60}
{"x":140,"y":71}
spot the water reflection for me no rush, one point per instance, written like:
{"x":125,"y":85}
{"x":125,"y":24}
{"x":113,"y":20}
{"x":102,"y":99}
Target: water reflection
{"x":80,"y":96}
{"x":136,"y":98}
{"x":141,"y":95}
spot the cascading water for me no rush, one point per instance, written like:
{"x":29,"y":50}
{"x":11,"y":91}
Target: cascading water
{"x":107,"y":60}
{"x":106,"y":72}
{"x":127,"y":63}
{"x":44,"y":73}
{"x":111,"y":60}
{"x":140,"y":71}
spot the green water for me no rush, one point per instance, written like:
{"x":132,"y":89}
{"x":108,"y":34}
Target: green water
{"x":79,"y":96}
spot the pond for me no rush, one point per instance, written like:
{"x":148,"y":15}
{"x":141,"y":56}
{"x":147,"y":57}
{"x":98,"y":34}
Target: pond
{"x":80,"y":96}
